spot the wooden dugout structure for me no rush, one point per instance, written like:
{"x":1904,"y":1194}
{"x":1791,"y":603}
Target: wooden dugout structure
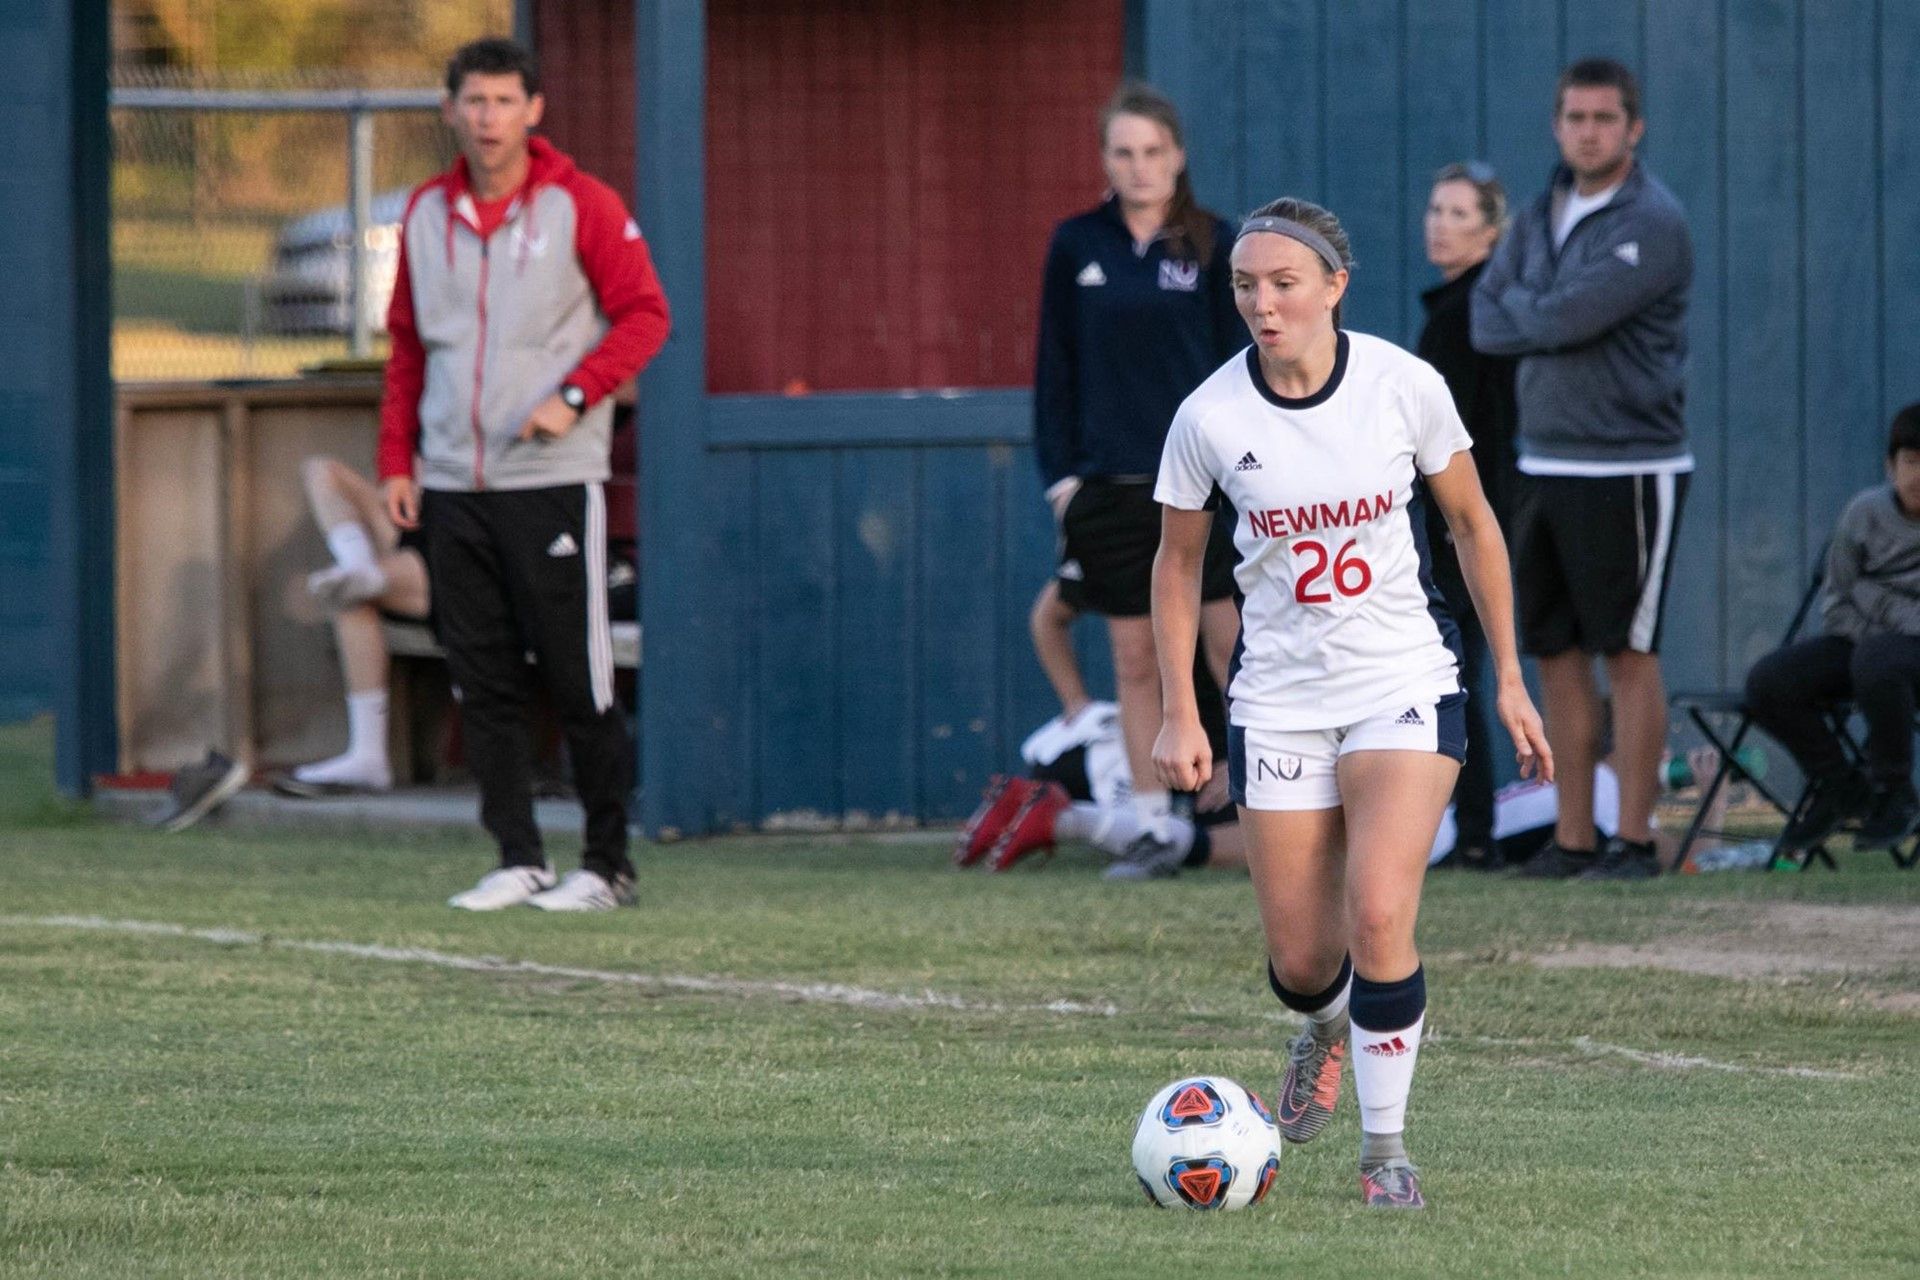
{"x":841,"y":523}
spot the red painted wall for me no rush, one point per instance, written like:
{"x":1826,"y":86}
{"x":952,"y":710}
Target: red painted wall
{"x":882,"y":175}
{"x":586,"y":60}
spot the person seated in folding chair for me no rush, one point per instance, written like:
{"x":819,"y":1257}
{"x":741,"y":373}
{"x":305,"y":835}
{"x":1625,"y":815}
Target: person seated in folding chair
{"x":1869,"y":654}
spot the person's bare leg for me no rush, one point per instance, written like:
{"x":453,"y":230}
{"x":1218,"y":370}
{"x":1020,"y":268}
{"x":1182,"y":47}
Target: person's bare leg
{"x":1299,"y":881}
{"x":336,"y":493}
{"x":1640,"y":736}
{"x":1136,"y":678}
{"x":1050,"y":624}
{"x":1219,"y":633}
{"x":1393,"y":802}
{"x":363,"y":651}
{"x":1298,"y":863}
{"x":1573,"y":722}
{"x":1227,"y":850}
{"x":407,"y":593}
{"x":347,"y":508}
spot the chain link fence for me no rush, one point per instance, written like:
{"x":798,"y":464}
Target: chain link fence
{"x":233,"y":239}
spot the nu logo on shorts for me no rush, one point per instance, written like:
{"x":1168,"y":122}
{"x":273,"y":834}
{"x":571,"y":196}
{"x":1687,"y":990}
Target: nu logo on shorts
{"x":1286,"y":768}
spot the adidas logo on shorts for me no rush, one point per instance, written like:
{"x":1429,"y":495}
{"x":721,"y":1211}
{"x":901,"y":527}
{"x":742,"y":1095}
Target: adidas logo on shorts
{"x":1412,"y":716}
{"x":1248,"y":463}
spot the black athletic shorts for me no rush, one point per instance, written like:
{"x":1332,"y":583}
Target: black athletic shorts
{"x":1109,"y":536}
{"x":1592,"y":558}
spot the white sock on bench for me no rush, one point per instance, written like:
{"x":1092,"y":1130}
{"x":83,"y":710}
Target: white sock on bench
{"x":351,"y":547}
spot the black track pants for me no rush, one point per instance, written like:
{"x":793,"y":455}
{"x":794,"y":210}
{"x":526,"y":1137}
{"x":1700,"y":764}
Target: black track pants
{"x":1789,"y":688}
{"x":519,"y":571}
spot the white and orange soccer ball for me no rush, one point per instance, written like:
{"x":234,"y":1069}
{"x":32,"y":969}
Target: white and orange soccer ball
{"x":1206,"y":1142}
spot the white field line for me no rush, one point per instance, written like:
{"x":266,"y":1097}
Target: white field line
{"x":798,"y":992}
{"x":1660,"y":1061}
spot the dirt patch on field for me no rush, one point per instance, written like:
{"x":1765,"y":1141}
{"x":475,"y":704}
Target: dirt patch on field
{"x":1880,"y":945}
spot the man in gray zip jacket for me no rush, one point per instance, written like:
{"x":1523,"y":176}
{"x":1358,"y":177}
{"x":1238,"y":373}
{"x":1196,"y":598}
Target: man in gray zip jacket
{"x":1589,"y":289}
{"x":525,"y":295}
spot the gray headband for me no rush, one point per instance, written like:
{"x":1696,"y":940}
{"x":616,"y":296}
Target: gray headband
{"x":1294,"y":231}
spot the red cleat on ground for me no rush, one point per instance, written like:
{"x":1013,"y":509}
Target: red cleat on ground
{"x":1031,"y":828}
{"x":998,"y":807}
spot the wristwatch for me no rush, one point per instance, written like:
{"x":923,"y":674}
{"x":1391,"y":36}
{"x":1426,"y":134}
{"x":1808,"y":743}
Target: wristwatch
{"x":576,"y":398}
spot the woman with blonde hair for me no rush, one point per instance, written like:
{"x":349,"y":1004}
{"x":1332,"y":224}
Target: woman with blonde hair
{"x":1346,"y":715}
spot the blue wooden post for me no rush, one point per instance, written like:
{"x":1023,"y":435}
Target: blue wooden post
{"x":678,"y":704}
{"x":56,"y":472}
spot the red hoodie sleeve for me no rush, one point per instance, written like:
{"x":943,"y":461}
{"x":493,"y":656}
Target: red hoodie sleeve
{"x":616,"y":262}
{"x":406,"y":371}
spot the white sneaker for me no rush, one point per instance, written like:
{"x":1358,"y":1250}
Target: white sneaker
{"x":504,"y":887}
{"x":342,"y":775}
{"x":341,"y":586}
{"x":585,"y":890}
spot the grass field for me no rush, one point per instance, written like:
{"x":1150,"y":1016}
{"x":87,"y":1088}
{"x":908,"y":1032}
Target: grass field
{"x":836,"y":1057}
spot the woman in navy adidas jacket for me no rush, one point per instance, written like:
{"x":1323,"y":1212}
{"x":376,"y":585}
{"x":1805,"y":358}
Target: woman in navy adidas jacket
{"x":1136,"y":310}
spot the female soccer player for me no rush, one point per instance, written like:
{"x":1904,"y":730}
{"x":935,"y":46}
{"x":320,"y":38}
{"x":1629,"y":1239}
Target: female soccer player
{"x":1347,"y":716}
{"x":1135,"y":310}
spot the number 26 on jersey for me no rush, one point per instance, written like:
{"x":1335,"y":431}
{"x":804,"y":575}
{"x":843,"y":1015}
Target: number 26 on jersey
{"x":1342,"y":571}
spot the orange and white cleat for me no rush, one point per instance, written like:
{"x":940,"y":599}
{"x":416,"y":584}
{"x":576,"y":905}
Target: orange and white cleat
{"x":1316,"y":1059}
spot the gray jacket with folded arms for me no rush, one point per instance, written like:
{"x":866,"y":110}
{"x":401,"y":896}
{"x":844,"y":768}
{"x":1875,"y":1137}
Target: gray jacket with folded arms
{"x":1600,"y":325}
{"x":1873,"y":569}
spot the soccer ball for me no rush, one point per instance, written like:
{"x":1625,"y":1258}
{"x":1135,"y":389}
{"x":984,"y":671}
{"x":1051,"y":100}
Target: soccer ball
{"x":1207,"y":1143}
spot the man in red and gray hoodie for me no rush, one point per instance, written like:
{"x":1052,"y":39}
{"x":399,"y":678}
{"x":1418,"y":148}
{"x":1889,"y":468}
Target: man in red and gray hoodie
{"x":525,"y":295}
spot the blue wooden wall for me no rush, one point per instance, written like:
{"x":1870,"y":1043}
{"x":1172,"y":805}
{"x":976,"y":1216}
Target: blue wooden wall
{"x":33,"y":88}
{"x":1787,"y":129}
{"x":835,"y":586}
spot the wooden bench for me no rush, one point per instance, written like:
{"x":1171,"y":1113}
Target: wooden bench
{"x":418,"y":695}
{"x":415,"y":640}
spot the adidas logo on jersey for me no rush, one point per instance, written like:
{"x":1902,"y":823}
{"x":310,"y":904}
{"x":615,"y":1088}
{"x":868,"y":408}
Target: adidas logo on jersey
{"x":1386,"y":1048}
{"x":564,"y":545}
{"x":1628,"y":253}
{"x":1412,"y":716}
{"x":1248,"y":463}
{"x":1090,"y":275}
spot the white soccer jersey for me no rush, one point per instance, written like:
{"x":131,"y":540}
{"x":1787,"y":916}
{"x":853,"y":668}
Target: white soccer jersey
{"x":1341,"y":618}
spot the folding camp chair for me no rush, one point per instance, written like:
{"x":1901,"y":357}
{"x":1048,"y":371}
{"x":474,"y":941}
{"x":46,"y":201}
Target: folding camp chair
{"x":1709,"y":712}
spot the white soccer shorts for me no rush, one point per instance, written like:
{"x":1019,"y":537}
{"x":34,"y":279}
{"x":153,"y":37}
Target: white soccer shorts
{"x":1278,"y":769}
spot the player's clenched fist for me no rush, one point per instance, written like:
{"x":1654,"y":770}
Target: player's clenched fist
{"x":1182,"y":755}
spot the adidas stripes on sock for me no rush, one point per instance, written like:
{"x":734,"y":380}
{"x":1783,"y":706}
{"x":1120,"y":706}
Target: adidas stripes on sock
{"x":1387,"y":1020}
